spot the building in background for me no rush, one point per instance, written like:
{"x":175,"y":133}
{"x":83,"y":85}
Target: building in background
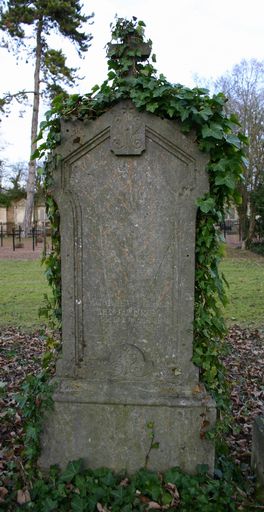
{"x":12,"y":216}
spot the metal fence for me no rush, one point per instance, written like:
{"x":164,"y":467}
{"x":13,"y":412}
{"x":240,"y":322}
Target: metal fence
{"x":230,"y":227}
{"x":38,"y":234}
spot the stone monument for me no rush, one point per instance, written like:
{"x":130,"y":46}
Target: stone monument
{"x":126,"y":189}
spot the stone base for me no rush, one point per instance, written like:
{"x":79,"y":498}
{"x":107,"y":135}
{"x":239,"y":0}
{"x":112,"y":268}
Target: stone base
{"x":257,"y":460}
{"x":117,"y":436}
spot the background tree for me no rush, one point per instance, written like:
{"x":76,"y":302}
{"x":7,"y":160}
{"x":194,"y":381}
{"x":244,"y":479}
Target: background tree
{"x":1,"y":174}
{"x":258,"y":200}
{"x":244,"y":88}
{"x":24,"y":21}
{"x":13,"y":182}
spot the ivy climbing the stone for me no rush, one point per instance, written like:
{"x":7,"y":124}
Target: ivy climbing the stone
{"x":216,"y":135}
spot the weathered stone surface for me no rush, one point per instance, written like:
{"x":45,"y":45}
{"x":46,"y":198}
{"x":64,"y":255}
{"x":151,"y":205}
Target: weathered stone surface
{"x":117,"y":436}
{"x":257,"y":460}
{"x":127,"y":190}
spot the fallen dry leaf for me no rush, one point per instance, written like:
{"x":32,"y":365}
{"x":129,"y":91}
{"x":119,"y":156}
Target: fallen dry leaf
{"x":124,"y":483}
{"x":100,"y":508}
{"x":3,"y":493}
{"x":172,"y":489}
{"x":199,"y":388}
{"x":23,"y":497}
{"x":154,"y":506}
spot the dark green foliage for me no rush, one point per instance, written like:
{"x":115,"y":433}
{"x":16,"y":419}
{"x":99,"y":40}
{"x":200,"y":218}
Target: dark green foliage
{"x":87,"y":490}
{"x":5,"y":199}
{"x":52,"y":308}
{"x":34,"y":400}
{"x":215,"y":136}
{"x":21,"y":21}
{"x":257,"y":247}
{"x":43,"y":17}
{"x":80,"y":490}
{"x":257,"y":198}
{"x":62,"y":15}
{"x":16,"y":191}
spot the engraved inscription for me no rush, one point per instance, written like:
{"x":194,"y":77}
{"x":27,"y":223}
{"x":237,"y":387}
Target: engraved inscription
{"x":127,"y":135}
{"x":124,"y":308}
{"x":128,"y":361}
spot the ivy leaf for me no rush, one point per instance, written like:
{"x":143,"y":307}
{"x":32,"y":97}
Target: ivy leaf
{"x":233,"y":139}
{"x":32,"y":432}
{"x":160,"y":91}
{"x":81,"y":483}
{"x":35,"y":155}
{"x":48,"y":114}
{"x":213,"y":130}
{"x":231,"y":124}
{"x":171,"y":111}
{"x":206,"y":205}
{"x":205,"y":113}
{"x":220,"y":166}
{"x":243,"y":138}
{"x":151,"y":107}
{"x":49,"y":505}
{"x":219,"y":98}
{"x":245,"y":161}
{"x":111,"y":75}
{"x":237,"y":197}
{"x":227,"y":180}
{"x":202,"y":469}
{"x":43,"y":125}
{"x":78,"y":504}
{"x":184,"y":115}
{"x":40,"y":136}
{"x":95,"y":88}
{"x":71,"y":471}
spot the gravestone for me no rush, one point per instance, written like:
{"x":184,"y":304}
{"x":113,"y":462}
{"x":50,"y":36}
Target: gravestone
{"x":126,"y":188}
{"x":257,"y":458}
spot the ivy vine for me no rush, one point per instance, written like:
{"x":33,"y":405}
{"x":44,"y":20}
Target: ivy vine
{"x":216,"y":135}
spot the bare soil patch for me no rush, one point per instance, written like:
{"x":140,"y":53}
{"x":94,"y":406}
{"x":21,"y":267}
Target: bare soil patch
{"x":23,"y":251}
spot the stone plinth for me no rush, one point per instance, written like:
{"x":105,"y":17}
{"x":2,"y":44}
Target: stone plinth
{"x":127,"y":190}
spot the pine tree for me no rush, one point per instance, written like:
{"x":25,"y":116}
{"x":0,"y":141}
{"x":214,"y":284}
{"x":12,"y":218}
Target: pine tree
{"x":23,"y":21}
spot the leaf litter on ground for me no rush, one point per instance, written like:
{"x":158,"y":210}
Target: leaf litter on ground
{"x":21,"y":354}
{"x":245,"y":372}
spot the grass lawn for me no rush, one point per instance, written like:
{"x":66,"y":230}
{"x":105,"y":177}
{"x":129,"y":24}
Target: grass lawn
{"x":23,"y":284}
{"x":244,"y":272}
{"x":22,"y":287}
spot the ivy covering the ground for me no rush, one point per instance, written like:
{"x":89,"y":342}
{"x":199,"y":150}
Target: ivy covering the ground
{"x":216,"y":135}
{"x":24,"y":487}
{"x":84,"y":490}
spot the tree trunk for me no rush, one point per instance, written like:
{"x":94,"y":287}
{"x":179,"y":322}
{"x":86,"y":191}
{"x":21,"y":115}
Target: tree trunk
{"x":31,"y":180}
{"x":252,"y":225}
{"x":242,"y":211}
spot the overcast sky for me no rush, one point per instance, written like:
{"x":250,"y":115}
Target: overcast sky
{"x":204,"y":37}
